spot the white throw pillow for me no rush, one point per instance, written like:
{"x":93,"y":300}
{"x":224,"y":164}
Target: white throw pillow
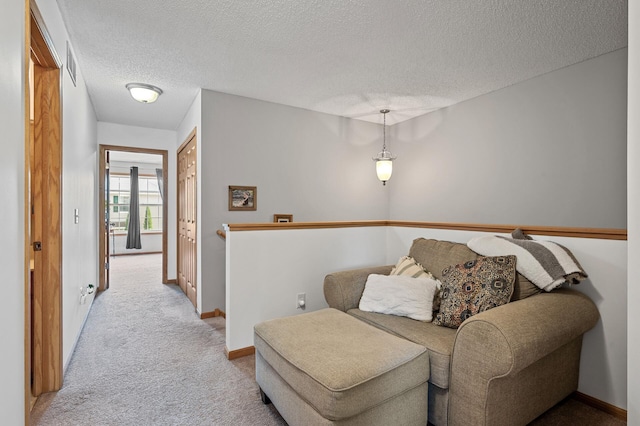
{"x":399,"y":295}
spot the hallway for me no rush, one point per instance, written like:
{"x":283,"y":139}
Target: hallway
{"x":145,"y":358}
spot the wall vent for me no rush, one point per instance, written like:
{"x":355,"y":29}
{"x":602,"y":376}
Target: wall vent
{"x":71,"y":64}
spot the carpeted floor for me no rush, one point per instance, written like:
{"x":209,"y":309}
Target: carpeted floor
{"x":145,"y":358}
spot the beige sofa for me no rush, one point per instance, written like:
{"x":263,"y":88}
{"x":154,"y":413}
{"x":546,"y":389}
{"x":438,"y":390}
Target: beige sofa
{"x":504,"y":366}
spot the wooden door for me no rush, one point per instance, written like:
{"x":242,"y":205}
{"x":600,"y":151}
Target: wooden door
{"x":45,"y":206}
{"x":187,"y":218}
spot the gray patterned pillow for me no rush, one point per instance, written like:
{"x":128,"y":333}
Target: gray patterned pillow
{"x":473,"y":287}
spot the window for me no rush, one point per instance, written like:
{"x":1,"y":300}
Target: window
{"x":150,"y":202}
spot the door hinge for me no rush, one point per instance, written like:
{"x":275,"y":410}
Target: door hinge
{"x":37,"y":246}
{"x":106,"y":265}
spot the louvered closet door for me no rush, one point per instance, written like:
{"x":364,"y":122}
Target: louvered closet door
{"x":187,"y":220}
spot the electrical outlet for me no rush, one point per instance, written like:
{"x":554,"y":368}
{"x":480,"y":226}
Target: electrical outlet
{"x":302,"y":301}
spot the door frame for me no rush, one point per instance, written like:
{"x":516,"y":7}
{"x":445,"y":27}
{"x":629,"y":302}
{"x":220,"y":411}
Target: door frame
{"x":43,"y":303}
{"x":101,"y":206}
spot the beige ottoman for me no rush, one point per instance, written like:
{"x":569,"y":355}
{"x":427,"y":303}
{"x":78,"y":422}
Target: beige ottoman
{"x":328,"y":368}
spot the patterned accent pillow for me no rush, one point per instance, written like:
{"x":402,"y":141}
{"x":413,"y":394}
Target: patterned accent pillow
{"x":408,"y":266}
{"x":473,"y":287}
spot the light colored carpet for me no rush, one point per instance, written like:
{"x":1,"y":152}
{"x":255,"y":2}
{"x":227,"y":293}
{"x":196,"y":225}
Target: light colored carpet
{"x":145,"y":358}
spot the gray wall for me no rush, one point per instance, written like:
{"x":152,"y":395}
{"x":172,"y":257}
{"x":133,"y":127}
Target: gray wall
{"x":548,"y":151}
{"x":315,"y":166}
{"x":633,"y":322}
{"x":12,"y":175}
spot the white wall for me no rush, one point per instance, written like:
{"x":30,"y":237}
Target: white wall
{"x":79,"y":188}
{"x":633,"y":193}
{"x":12,"y":174}
{"x":312,"y":165}
{"x":547,"y":151}
{"x":143,"y":137}
{"x":266,"y":269}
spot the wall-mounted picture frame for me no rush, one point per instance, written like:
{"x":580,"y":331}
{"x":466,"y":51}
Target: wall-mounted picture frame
{"x":243,"y":198}
{"x":283,"y":218}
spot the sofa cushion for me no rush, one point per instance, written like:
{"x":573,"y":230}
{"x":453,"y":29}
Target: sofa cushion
{"x":400,"y":295}
{"x":475,"y":286}
{"x":523,"y":288}
{"x":435,"y":255}
{"x":438,"y":340}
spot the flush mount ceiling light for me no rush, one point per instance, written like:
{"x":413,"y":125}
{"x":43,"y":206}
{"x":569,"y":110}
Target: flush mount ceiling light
{"x":384,"y":159}
{"x":144,"y":93}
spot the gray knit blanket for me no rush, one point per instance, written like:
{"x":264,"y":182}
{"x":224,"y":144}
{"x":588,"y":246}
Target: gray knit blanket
{"x":546,"y":264}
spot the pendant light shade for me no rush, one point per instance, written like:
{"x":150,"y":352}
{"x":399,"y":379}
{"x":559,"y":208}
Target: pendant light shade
{"x":144,"y":93}
{"x":384,"y":159}
{"x":384,"y":168}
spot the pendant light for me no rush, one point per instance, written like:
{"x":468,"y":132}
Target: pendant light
{"x":384,"y":159}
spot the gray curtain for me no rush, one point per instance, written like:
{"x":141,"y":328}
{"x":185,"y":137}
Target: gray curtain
{"x":160,"y":183}
{"x":133,"y":234}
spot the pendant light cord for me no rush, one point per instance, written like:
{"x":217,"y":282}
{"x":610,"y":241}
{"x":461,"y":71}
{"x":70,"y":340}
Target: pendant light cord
{"x":384,"y":129}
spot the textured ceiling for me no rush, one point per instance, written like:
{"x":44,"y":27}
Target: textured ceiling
{"x":347,"y":58}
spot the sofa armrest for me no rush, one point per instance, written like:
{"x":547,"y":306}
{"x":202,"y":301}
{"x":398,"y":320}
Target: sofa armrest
{"x":529,"y":329}
{"x":342,"y":290}
{"x":503,"y":341}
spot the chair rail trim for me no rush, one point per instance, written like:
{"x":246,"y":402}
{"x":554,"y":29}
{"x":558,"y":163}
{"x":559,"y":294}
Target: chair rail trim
{"x":560,"y":231}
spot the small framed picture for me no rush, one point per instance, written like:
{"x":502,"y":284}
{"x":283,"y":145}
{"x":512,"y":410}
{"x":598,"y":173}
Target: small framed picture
{"x":283,"y":218}
{"x":243,"y":198}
